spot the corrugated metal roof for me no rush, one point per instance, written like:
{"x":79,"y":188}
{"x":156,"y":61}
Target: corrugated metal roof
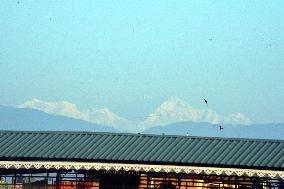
{"x":140,"y":148}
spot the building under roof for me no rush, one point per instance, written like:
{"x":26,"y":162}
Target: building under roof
{"x":115,"y":160}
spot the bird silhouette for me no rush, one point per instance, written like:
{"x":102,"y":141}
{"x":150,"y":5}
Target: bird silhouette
{"x":205,"y":100}
{"x":220,"y":127}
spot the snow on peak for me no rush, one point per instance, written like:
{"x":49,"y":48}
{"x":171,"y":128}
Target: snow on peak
{"x":177,"y":110}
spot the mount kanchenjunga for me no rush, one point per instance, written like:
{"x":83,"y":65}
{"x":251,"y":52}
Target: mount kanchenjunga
{"x":168,"y":112}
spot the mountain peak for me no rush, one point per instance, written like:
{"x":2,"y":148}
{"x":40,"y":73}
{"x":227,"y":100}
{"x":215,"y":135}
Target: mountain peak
{"x":103,"y":116}
{"x":174,"y":104}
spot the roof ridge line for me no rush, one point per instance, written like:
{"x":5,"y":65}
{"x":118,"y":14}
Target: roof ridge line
{"x":142,"y":135}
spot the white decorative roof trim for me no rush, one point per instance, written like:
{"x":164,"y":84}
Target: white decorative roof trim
{"x":140,"y":167}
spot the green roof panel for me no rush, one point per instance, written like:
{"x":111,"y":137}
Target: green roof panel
{"x":140,"y":148}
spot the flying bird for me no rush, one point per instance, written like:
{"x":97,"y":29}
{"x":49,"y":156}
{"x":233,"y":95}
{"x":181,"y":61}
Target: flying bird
{"x":220,"y":127}
{"x":205,"y":100}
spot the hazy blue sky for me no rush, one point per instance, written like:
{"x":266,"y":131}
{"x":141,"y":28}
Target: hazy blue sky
{"x":101,"y":53}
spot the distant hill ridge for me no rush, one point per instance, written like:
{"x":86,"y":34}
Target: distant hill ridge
{"x":34,"y":120}
{"x":262,"y":131}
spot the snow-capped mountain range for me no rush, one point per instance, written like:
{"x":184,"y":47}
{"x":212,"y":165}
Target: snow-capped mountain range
{"x":170,"y":111}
